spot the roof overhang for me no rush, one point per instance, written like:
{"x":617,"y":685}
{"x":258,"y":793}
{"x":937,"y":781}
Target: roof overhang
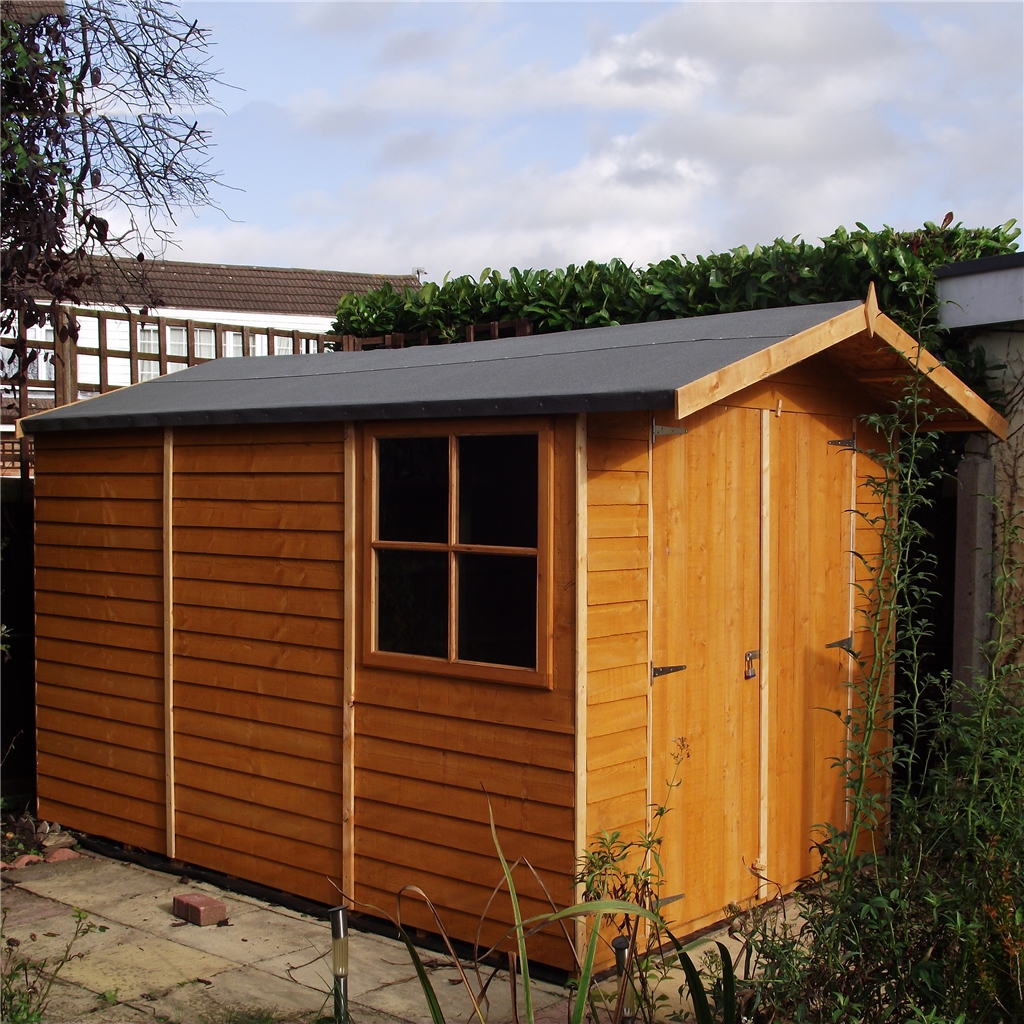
{"x":869,"y":347}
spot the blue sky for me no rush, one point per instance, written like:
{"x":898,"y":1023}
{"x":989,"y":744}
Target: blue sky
{"x":450,"y":136}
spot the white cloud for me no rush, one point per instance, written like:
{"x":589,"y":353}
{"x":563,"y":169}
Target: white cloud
{"x":746,"y":121}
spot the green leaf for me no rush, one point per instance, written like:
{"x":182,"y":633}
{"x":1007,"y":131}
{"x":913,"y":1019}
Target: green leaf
{"x":520,"y":934}
{"x":436,"y":1014}
{"x":586,"y":973}
{"x":701,"y":1009}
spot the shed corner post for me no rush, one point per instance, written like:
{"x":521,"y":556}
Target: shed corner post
{"x":349,"y":584}
{"x":580,"y":796}
{"x":168,"y":588}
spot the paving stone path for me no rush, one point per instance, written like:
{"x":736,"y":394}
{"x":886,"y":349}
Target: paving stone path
{"x":153,"y":966}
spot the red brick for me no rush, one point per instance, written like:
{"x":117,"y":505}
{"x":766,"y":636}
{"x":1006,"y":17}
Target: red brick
{"x":56,"y":856}
{"x":199,"y":909}
{"x":24,"y":860}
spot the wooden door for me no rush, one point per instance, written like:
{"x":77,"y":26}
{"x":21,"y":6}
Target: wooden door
{"x":809,"y":601}
{"x":706,"y":614}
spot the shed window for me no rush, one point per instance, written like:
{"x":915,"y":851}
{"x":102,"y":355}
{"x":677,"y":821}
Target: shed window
{"x":457,"y":551}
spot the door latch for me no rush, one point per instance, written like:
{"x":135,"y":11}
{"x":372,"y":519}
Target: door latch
{"x":749,"y":672}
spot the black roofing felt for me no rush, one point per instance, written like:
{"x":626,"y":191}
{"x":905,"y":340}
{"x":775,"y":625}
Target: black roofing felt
{"x":983,"y":266}
{"x":637,"y":366}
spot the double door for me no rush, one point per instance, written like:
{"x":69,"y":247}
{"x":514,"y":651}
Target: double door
{"x":752,"y":581}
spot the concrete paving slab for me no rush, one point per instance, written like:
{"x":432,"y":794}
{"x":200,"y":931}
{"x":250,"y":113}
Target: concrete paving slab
{"x":242,"y":987}
{"x":49,"y":939}
{"x":308,"y":967}
{"x":406,"y":1000}
{"x":374,"y":963}
{"x":87,"y":880}
{"x":147,"y":911}
{"x":367,"y":1015}
{"x":26,"y":911}
{"x":71,"y":1004}
{"x":254,"y":936}
{"x":142,"y":963}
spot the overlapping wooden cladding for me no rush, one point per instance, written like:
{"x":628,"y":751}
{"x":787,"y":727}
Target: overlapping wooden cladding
{"x":258,"y":608}
{"x":99,"y":634}
{"x":618,"y":658}
{"x":258,"y":519}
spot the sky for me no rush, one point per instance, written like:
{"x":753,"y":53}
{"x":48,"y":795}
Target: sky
{"x":380,"y":137}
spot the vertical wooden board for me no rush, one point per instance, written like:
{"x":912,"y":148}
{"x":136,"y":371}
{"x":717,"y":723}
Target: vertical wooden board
{"x":809,"y":610}
{"x":706,"y":487}
{"x":580,"y":831}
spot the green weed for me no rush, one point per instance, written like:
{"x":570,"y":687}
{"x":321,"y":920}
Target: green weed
{"x":25,"y":983}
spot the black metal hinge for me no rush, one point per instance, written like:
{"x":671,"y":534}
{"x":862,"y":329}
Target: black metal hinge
{"x":659,"y":430}
{"x":845,"y":644}
{"x":664,"y":670}
{"x":845,"y":442}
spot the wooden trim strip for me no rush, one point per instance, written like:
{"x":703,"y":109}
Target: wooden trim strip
{"x":582,"y":530}
{"x":168,"y":581}
{"x":924,"y":362}
{"x":853,"y":563}
{"x":764,"y":662}
{"x":348,"y":854}
{"x":692,"y":397}
{"x":649,"y":781}
{"x":472,"y":549}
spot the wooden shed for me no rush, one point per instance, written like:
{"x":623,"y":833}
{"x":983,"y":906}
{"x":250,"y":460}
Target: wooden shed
{"x":293,"y":614}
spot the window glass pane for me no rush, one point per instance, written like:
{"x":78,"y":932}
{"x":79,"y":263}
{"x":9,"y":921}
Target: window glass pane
{"x":233,"y":344}
{"x":148,"y":369}
{"x":206,"y":343}
{"x":257,"y":344}
{"x":117,"y":335}
{"x":88,"y":369}
{"x":119,"y":372}
{"x":88,"y":332}
{"x":177,"y":342}
{"x":412,"y":477}
{"x":498,"y":490}
{"x":412,"y":602}
{"x":149,"y":338}
{"x":498,"y":609}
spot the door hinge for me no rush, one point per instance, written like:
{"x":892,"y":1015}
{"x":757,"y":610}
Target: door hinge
{"x":845,"y":644}
{"x":659,"y":430}
{"x":845,"y":442}
{"x":664,"y":670}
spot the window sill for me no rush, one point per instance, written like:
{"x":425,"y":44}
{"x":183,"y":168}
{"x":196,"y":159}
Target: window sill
{"x":475,"y":670}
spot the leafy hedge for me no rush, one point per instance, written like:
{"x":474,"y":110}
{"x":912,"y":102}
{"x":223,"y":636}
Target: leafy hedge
{"x":902,"y":265}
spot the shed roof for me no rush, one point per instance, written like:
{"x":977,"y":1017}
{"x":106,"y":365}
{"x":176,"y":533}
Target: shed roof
{"x":176,"y":284}
{"x":683,"y":364}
